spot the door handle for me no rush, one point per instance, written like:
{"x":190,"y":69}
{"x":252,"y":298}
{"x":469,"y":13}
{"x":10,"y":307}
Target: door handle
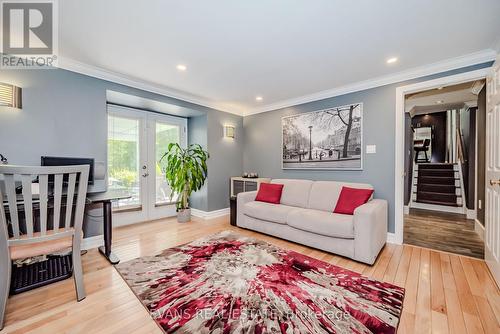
{"x":145,"y":175}
{"x":493,"y":182}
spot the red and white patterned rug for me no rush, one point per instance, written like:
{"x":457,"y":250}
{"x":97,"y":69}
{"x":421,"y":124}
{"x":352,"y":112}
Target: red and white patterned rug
{"x":228,"y":283}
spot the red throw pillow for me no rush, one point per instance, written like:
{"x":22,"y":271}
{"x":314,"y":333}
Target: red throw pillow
{"x":351,"y":198}
{"x":270,"y":193}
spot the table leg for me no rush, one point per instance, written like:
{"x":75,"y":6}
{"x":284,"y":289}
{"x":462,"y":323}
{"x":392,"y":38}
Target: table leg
{"x":108,"y":225}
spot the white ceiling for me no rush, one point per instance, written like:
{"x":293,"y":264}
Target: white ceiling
{"x":286,"y":51}
{"x":446,"y":98}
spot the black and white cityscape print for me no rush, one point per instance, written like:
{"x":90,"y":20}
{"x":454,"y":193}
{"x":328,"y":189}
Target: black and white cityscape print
{"x":324,"y":139}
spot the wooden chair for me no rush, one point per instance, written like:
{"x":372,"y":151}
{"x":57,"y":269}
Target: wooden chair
{"x":67,"y":187}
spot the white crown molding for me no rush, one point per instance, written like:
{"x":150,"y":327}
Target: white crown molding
{"x":442,"y":66}
{"x":421,"y":71}
{"x":123,"y":79}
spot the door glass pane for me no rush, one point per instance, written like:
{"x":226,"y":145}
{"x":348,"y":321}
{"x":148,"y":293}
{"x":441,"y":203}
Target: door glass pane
{"x":165,"y":134}
{"x":123,"y":159}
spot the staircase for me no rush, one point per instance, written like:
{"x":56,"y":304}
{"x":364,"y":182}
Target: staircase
{"x":437,"y":186}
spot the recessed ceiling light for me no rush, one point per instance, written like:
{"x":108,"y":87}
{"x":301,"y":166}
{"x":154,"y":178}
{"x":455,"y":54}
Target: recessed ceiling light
{"x":392,"y":60}
{"x":181,"y":67}
{"x":439,"y":101}
{"x":258,"y":98}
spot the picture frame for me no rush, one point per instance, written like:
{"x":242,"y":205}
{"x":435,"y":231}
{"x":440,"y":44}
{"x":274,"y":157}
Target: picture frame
{"x":316,"y":140}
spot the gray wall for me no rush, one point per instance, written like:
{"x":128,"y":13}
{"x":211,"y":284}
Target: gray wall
{"x":226,"y":160}
{"x":198,"y":134}
{"x":262,"y":150}
{"x":64,"y":113}
{"x":226,"y":157}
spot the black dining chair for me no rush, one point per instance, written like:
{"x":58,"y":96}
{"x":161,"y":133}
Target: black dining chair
{"x":424,"y":148}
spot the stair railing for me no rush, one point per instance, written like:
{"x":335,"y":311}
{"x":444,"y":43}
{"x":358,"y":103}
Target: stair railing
{"x":461,"y":151}
{"x":462,"y":159}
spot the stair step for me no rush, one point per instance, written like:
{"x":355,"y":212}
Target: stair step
{"x":436,"y":166}
{"x":437,"y":172}
{"x":436,"y":193}
{"x":437,"y":180}
{"x":439,"y":188}
{"x":432,"y":196}
{"x":437,"y":202}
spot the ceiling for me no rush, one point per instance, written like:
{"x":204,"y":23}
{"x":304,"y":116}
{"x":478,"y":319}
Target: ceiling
{"x":444,"y":98}
{"x":287,"y":51}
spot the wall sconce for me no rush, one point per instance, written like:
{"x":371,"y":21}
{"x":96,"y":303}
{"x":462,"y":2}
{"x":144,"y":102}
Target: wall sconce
{"x":10,"y":96}
{"x":229,"y":131}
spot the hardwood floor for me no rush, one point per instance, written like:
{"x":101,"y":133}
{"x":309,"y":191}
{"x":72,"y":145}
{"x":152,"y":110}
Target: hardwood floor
{"x":445,"y":293}
{"x":443,"y":231}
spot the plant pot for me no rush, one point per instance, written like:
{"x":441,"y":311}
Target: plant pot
{"x":184,"y":215}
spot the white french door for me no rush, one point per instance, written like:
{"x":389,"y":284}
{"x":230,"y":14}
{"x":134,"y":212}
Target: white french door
{"x":492,"y":208}
{"x":136,"y":142}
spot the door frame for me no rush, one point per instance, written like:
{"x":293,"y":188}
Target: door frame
{"x":492,"y":225}
{"x":144,"y":116}
{"x":397,"y":236}
{"x":155,"y":211}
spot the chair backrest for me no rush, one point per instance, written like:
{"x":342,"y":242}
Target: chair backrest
{"x":67,"y":188}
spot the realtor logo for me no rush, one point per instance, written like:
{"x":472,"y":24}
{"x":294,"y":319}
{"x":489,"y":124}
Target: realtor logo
{"x":29,"y":38}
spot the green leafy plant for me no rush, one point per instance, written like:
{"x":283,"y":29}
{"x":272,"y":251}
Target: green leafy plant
{"x":185,"y":171}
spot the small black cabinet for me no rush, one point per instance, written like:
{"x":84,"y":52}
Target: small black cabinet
{"x":232,"y":207}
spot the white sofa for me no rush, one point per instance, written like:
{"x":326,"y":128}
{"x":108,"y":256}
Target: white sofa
{"x":306,"y":216}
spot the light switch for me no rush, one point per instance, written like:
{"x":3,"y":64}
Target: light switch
{"x":371,"y":149}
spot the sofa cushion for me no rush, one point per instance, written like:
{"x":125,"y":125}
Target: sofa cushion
{"x":270,"y":193}
{"x":276,"y":213}
{"x":325,"y":194}
{"x":351,"y":198}
{"x":295,"y":192}
{"x":322,"y":222}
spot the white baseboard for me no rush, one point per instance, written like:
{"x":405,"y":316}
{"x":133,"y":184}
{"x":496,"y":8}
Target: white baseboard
{"x":210,"y":214}
{"x":471,"y":214}
{"x":92,"y":242}
{"x":479,"y":229}
{"x":98,"y":240}
{"x":392,"y":239}
{"x":406,"y":210}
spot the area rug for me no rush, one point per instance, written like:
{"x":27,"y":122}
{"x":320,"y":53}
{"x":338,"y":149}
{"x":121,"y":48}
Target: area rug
{"x":228,"y":283}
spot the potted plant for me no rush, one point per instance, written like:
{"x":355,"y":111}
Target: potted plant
{"x":185,"y":172}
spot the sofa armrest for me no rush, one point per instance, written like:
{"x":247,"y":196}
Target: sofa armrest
{"x":241,"y":199}
{"x":370,"y":230}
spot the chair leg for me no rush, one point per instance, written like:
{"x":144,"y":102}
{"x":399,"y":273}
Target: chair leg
{"x":5,"y":271}
{"x":77,"y":270}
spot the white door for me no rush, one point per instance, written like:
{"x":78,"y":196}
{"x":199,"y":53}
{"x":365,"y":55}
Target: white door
{"x":136,"y":141}
{"x":161,"y":131}
{"x":492,"y":208}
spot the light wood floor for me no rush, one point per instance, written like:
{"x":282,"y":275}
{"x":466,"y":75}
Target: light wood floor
{"x":449,"y":232}
{"x":445,"y":293}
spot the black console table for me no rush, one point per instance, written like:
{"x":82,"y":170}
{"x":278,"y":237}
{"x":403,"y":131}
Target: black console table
{"x":106,"y":198}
